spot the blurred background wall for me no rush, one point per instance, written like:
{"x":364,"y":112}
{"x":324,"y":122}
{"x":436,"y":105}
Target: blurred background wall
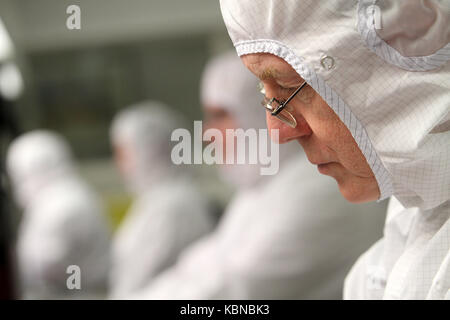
{"x":126,"y":51}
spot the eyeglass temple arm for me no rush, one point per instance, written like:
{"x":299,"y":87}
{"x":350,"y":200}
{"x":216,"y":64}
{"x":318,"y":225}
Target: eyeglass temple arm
{"x":281,"y":107}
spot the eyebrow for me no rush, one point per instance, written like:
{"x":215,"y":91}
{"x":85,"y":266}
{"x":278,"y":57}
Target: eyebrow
{"x":268,"y":73}
{"x":274,"y":74}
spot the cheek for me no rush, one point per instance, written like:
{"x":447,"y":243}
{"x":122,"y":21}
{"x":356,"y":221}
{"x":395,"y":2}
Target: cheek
{"x":322,"y":120}
{"x":329,"y":132}
{"x":351,"y":156}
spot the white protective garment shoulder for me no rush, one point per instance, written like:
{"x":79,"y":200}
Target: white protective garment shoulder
{"x":169,"y":211}
{"x":296,"y":246}
{"x":63,"y":222}
{"x":394,"y":100}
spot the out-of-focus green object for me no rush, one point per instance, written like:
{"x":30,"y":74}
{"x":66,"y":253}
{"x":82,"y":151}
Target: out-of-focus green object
{"x":116,"y":208}
{"x":102,"y":175}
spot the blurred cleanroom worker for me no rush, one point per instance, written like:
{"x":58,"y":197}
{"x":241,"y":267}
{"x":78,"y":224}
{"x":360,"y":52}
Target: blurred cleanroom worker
{"x":374,"y":115}
{"x":290,"y":235}
{"x":63,"y":222}
{"x":168,"y":212}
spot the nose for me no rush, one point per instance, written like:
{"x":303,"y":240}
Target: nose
{"x":286,"y":133}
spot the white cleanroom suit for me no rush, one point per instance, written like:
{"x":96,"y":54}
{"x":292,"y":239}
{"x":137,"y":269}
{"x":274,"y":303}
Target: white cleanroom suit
{"x":169,"y":211}
{"x":63,"y":224}
{"x":382,"y":66}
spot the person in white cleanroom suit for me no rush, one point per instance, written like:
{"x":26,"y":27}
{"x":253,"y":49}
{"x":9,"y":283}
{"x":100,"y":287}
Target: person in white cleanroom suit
{"x":168,"y":211}
{"x":290,"y":235}
{"x":63,"y":222}
{"x":374,"y":115}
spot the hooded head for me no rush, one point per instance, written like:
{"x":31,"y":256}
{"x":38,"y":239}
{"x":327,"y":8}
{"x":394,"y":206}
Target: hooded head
{"x":6,"y":45}
{"x":11,"y":82}
{"x":34,"y":161}
{"x":228,"y":85}
{"x":140,"y":136}
{"x":231,"y":100}
{"x":380,"y":73}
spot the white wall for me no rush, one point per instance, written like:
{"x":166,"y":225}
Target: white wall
{"x":41,"y":24}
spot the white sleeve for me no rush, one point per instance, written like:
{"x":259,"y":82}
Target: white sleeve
{"x":261,"y":252}
{"x":197,"y":275}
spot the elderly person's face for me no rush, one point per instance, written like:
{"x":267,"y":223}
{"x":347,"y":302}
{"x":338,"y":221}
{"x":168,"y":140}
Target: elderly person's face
{"x":324,"y":137}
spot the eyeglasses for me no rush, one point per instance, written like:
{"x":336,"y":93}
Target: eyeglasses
{"x":277,"y":108}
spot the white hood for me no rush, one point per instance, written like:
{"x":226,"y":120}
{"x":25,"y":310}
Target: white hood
{"x":144,"y":129}
{"x":34,"y":161}
{"x":6,"y":45}
{"x":395,"y":106}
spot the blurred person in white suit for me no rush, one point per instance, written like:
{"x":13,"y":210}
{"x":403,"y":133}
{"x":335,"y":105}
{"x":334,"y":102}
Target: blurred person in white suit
{"x":63,"y":221}
{"x":286,"y":236}
{"x":168,"y":210}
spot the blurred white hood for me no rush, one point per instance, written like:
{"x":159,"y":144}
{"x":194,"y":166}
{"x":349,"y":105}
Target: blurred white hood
{"x":6,"y":45}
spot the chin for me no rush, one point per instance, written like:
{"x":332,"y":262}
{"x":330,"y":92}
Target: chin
{"x":353,"y":197}
{"x":353,"y":188}
{"x":356,"y":192}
